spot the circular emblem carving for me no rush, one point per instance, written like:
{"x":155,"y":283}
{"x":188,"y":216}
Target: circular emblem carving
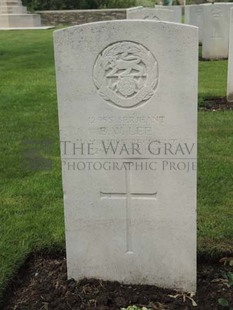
{"x":126,"y":74}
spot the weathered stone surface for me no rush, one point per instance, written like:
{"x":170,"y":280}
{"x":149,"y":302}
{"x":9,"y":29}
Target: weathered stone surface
{"x":151,"y":14}
{"x":194,"y":15}
{"x":128,"y":149}
{"x":19,"y":20}
{"x":14,"y":15}
{"x":177,"y":11}
{"x":216,"y":30}
{"x":12,"y":7}
{"x":13,"y":10}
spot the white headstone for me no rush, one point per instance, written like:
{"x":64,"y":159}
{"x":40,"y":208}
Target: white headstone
{"x":177,"y":10}
{"x":194,"y":16}
{"x":153,"y":14}
{"x":128,"y":149}
{"x":216,"y":30}
{"x":230,"y":62}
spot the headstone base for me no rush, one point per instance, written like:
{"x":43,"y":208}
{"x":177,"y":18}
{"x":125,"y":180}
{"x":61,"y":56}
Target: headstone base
{"x":13,"y":10}
{"x":20,"y":20}
{"x":29,"y":28}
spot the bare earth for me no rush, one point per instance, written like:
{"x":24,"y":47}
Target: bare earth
{"x":42,"y":285}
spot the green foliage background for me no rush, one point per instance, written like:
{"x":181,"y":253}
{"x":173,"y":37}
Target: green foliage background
{"x":77,"y":4}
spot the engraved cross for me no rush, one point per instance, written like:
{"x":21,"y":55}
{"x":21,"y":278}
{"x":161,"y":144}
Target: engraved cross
{"x":128,"y":196}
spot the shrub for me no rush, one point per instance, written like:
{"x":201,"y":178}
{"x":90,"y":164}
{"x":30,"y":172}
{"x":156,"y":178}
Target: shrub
{"x":117,"y":4}
{"x":76,"y":4}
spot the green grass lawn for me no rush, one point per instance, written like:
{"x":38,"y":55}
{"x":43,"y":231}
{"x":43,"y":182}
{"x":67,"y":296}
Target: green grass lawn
{"x":212,"y":79}
{"x":31,"y":206}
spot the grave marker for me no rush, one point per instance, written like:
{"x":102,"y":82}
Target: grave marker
{"x":128,"y":149}
{"x":152,"y":14}
{"x":216,"y":30}
{"x":177,"y":11}
{"x":194,"y":16}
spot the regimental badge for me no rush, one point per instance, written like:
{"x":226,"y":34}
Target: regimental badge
{"x":126,"y":74}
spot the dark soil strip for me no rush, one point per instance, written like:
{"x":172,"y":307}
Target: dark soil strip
{"x":206,"y":59}
{"x":215,"y":104}
{"x":42,"y":285}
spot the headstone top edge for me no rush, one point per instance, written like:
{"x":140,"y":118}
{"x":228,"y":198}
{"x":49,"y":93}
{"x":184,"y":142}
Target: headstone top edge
{"x":129,"y":21}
